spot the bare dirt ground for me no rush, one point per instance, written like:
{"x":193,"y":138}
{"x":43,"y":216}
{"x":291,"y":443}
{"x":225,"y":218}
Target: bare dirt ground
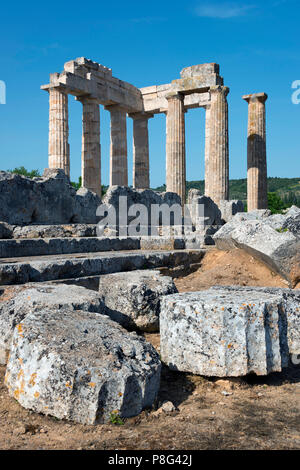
{"x":247,"y":413}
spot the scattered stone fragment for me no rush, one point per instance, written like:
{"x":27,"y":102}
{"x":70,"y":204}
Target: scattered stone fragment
{"x":38,"y":297}
{"x":168,"y":407}
{"x":81,"y":366}
{"x":266,"y":238}
{"x":230,"y":208}
{"x":50,"y":199}
{"x":291,"y":301}
{"x":133,"y":298}
{"x":229,"y":332}
{"x":203,"y":209}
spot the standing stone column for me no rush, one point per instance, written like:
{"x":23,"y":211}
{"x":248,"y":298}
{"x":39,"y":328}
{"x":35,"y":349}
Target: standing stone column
{"x":118,"y":146}
{"x":175,"y":148}
{"x":58,"y":149}
{"x":256,"y":152}
{"x":91,"y":150}
{"x":217,"y":174}
{"x":141,"y":170}
{"x":206,"y":158}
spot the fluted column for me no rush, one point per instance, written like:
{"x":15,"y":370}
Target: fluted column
{"x":207,"y":128}
{"x":141,"y":176}
{"x":175,"y":148}
{"x":218,"y":150}
{"x":58,"y":150}
{"x":257,"y":192}
{"x":118,"y":146}
{"x":91,"y":150}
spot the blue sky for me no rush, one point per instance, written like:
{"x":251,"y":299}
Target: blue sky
{"x":255,"y":43}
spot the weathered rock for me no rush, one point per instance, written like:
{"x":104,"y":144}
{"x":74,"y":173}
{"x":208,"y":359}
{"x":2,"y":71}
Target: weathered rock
{"x":55,"y":231}
{"x":145,"y":197}
{"x":133,"y":298}
{"x":292,"y":221}
{"x":200,"y":238}
{"x":162,"y":243}
{"x":93,"y":264}
{"x":278,"y":248}
{"x":81,"y":366}
{"x":86,"y":204}
{"x":291,"y":301}
{"x":38,"y":297}
{"x":57,"y":246}
{"x":229,"y":331}
{"x":50,"y":199}
{"x":203,"y":209}
{"x":230,"y":208}
{"x":6,"y":231}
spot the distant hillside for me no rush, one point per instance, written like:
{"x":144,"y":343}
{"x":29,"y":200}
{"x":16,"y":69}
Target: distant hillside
{"x":288,"y":189}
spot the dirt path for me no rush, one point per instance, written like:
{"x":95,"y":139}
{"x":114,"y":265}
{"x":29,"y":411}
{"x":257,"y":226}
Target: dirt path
{"x":247,"y":413}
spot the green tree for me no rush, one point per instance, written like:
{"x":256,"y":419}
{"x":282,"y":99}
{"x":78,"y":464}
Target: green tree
{"x":21,"y":170}
{"x":275,"y":203}
{"x":78,"y":184}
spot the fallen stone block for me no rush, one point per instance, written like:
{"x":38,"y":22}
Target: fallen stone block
{"x":81,"y":366}
{"x":278,"y":248}
{"x":230,"y":208}
{"x":228,"y":332}
{"x":38,"y":297}
{"x":93,"y":264}
{"x":50,"y":199}
{"x":203,"y":210}
{"x":133,"y":298}
{"x":291,"y":301}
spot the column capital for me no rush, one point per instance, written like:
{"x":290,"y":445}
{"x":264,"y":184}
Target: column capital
{"x":175,"y":96}
{"x":86,"y":99}
{"x":141,"y":116}
{"x":116,"y":107}
{"x":253,"y":98}
{"x":219,"y":89}
{"x":61,"y":88}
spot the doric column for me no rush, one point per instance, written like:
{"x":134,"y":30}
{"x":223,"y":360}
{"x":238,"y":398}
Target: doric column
{"x":118,"y":146}
{"x":59,"y":150}
{"x":207,"y":128}
{"x":218,"y":151}
{"x":141,"y":176}
{"x":257,"y":156}
{"x":175,"y":148}
{"x":91,"y":150}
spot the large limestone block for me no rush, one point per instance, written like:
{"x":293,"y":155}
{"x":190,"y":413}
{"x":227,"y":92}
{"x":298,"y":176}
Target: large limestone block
{"x":145,"y":197}
{"x":292,"y":221}
{"x":50,"y":199}
{"x":291,"y":301}
{"x":133,"y":298}
{"x":229,"y":332}
{"x":81,"y":366}
{"x":203,"y":210}
{"x":37,"y":298}
{"x":230,"y":208}
{"x":269,"y":239}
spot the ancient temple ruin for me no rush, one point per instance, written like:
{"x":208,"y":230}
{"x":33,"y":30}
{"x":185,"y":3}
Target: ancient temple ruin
{"x":92,"y":84}
{"x":199,"y":86}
